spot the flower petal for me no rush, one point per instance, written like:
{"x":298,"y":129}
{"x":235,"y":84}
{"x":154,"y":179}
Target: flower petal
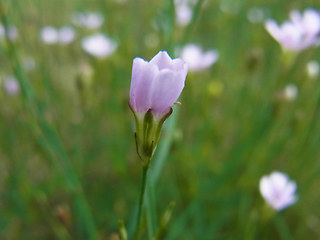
{"x":142,"y":80}
{"x":266,"y":189}
{"x":311,"y":22}
{"x":166,"y":90}
{"x":273,"y":28}
{"x":162,"y":60}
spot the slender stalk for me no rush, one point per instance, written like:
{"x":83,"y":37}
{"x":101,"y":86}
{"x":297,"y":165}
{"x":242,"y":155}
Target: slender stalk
{"x":143,"y":187}
{"x":282,"y":228}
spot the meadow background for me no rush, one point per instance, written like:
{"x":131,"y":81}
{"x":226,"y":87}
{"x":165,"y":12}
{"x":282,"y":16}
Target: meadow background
{"x":68,"y":165}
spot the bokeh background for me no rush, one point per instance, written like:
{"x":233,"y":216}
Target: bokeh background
{"x":68,"y":165}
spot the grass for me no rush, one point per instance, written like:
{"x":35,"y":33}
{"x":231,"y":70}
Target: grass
{"x":68,"y":166}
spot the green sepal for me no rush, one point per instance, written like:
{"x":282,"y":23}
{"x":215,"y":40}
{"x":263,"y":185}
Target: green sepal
{"x":148,"y":130}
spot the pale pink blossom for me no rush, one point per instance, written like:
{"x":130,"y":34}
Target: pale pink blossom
{"x":11,"y":85}
{"x":157,"y":84}
{"x":278,"y":190}
{"x":183,"y":14}
{"x":12,"y":32}
{"x":198,"y":59}
{"x":66,"y":35}
{"x":99,"y":45}
{"x":301,"y":32}
{"x":51,"y":35}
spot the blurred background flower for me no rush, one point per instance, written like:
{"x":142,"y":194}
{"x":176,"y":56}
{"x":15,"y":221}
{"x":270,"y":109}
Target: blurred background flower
{"x":298,"y":34}
{"x":10,"y":85}
{"x":99,"y":45}
{"x":51,"y":35}
{"x":290,"y":92}
{"x":66,"y":35}
{"x":278,"y":190}
{"x":183,"y":12}
{"x":12,"y":32}
{"x":196,"y":58}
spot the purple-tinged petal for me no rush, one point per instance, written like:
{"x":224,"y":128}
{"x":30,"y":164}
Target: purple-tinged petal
{"x":279,"y":180}
{"x":295,"y":17}
{"x":143,"y":75}
{"x":209,"y":58}
{"x":162,"y":60}
{"x":266,"y":189}
{"x":273,"y":28}
{"x":168,"y":87}
{"x":197,"y":59}
{"x":278,"y":190}
{"x":311,"y":22}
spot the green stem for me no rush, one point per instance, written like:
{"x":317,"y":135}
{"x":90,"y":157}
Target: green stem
{"x":282,"y":228}
{"x":143,"y":187}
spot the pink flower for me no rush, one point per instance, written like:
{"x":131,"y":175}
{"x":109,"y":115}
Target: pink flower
{"x":183,"y":14}
{"x":157,"y":84}
{"x":11,"y":85}
{"x":278,"y":190}
{"x":99,"y":45}
{"x":300,"y":33}
{"x":197,"y":59}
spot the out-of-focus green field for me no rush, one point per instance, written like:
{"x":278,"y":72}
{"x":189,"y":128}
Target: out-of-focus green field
{"x":68,"y":163}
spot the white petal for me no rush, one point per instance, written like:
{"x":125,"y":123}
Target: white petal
{"x":49,"y":35}
{"x":266,"y":189}
{"x":273,"y":28}
{"x":66,"y":35}
{"x":99,"y":45}
{"x":311,"y":22}
{"x":183,"y":14}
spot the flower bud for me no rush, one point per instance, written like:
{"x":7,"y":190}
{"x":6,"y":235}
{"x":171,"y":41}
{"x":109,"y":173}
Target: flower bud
{"x":155,"y":86}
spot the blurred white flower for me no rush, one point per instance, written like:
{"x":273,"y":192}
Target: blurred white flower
{"x":183,"y":14}
{"x":290,"y":92}
{"x":99,"y":45}
{"x":66,"y":35}
{"x":12,"y":32}
{"x":278,"y":190}
{"x":49,"y":35}
{"x":255,"y":15}
{"x":196,"y":58}
{"x":90,"y":20}
{"x":300,"y":33}
{"x":313,"y":69}
{"x":11,"y":85}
